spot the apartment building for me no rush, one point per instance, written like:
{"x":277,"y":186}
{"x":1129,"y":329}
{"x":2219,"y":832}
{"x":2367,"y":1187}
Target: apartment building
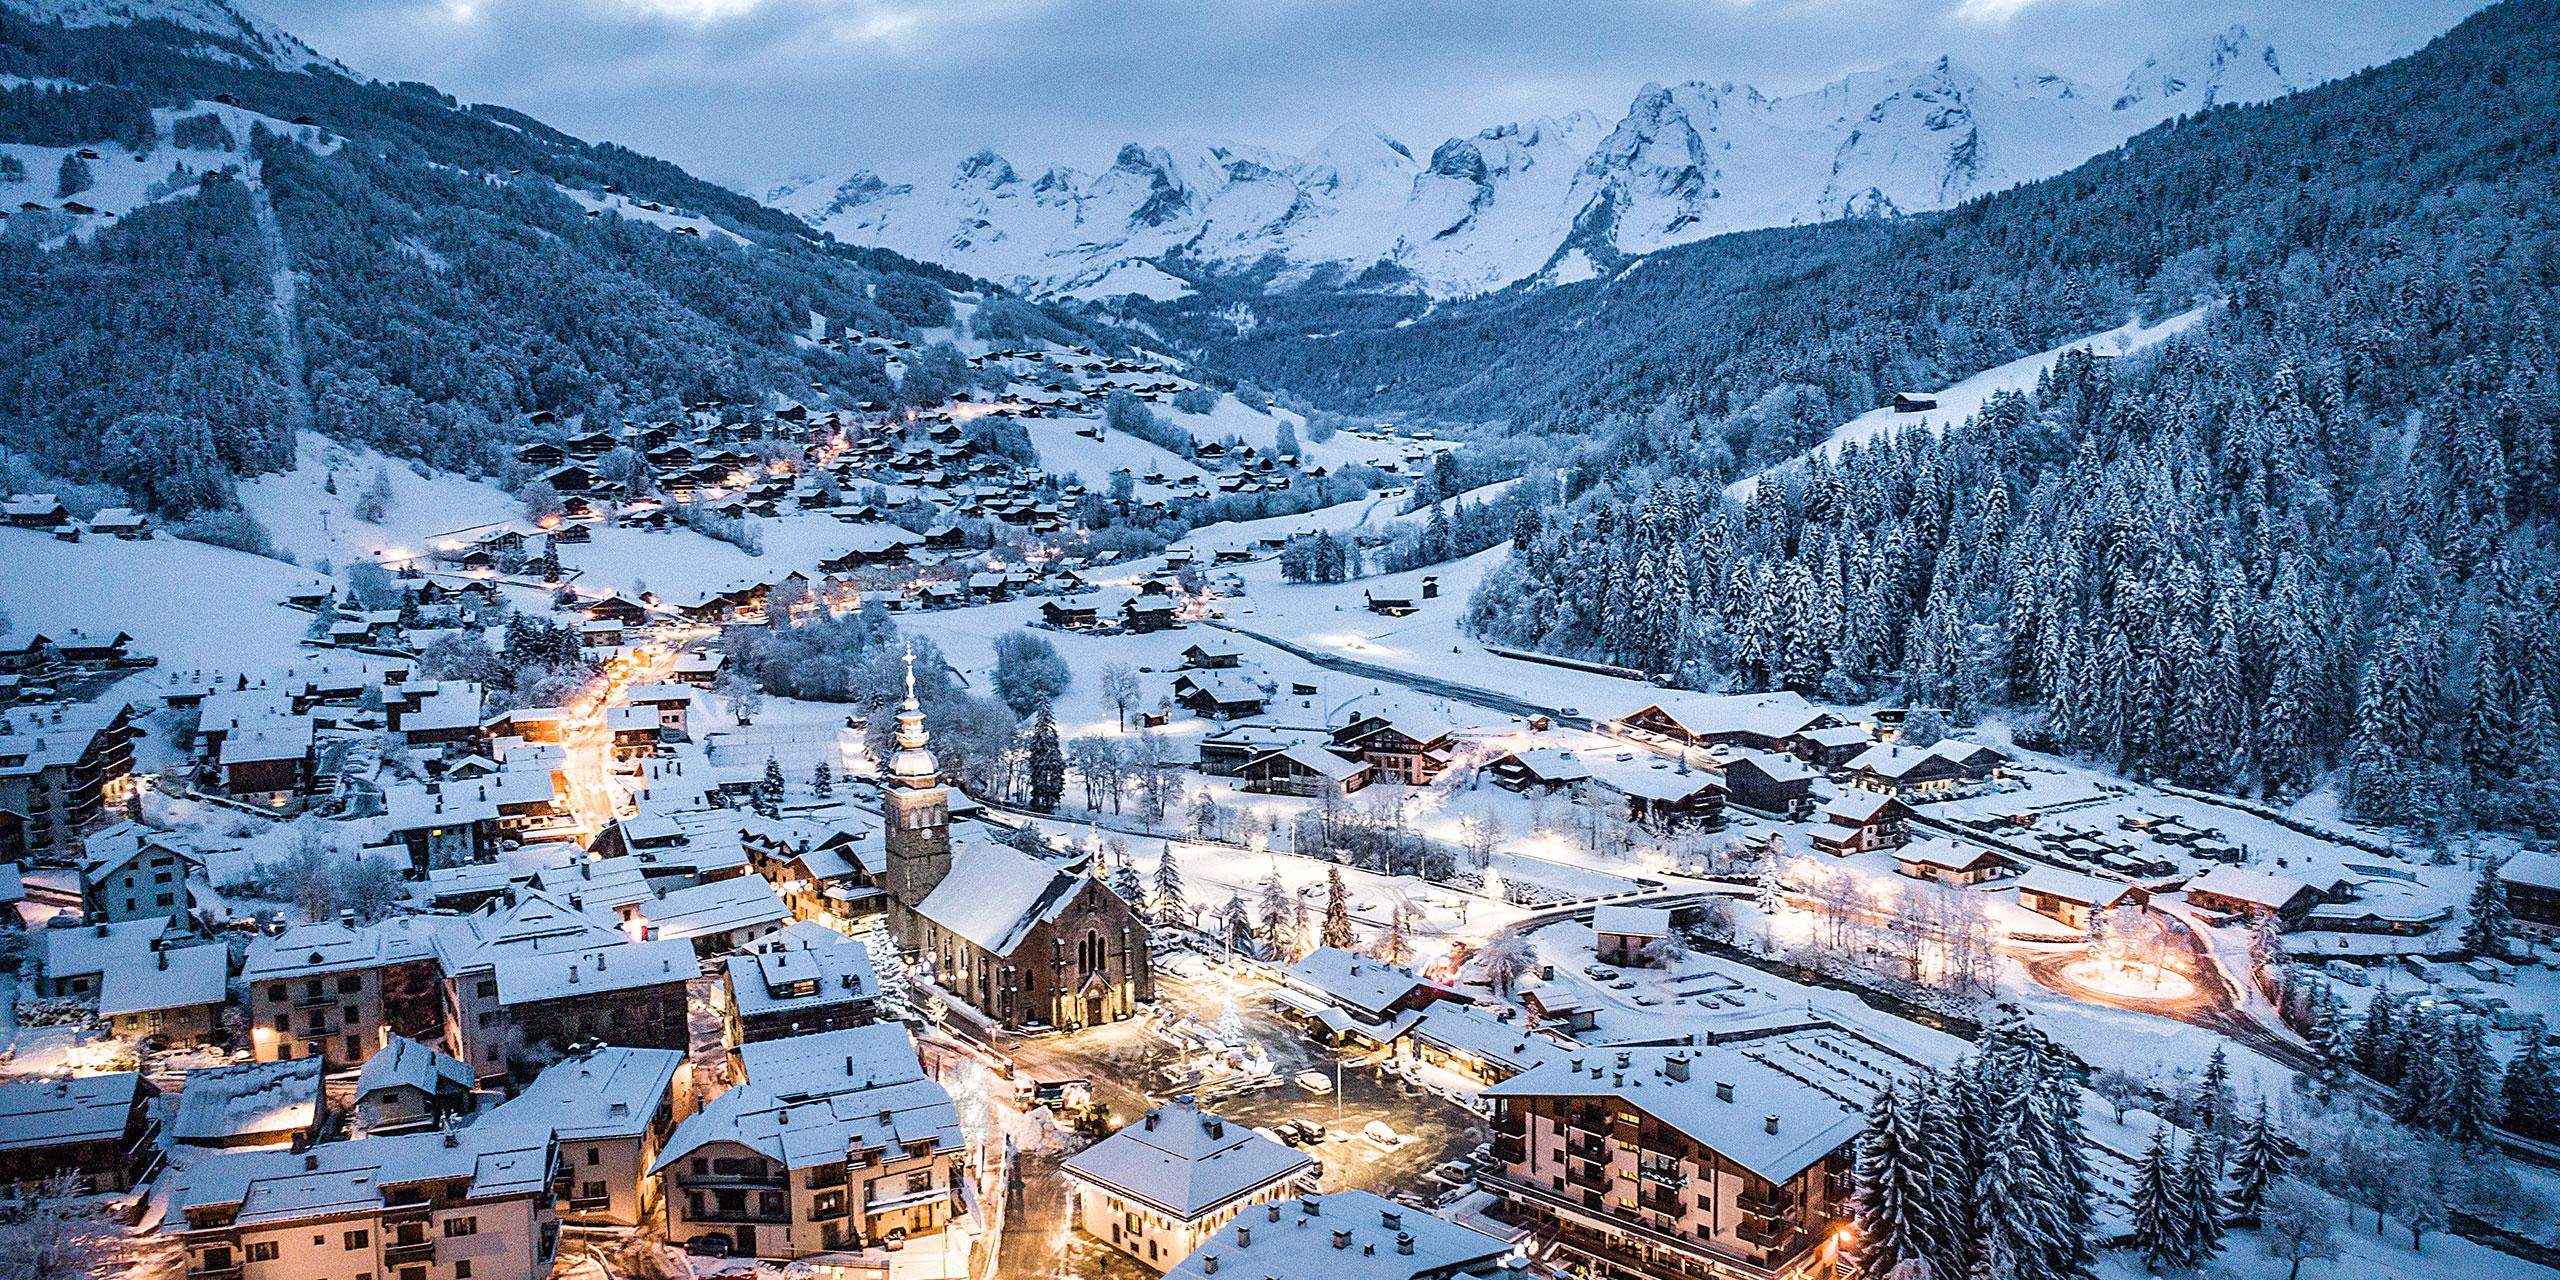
{"x":834,"y":1141}
{"x":611,"y":1110}
{"x":471,"y":1204}
{"x":1156,"y":1189}
{"x":1657,"y":1163}
{"x":340,"y":991}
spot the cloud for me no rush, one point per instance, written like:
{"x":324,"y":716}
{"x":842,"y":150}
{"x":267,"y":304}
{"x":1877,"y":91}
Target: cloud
{"x":746,"y":91}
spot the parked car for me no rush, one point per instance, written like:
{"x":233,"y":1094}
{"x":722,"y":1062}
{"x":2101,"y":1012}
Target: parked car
{"x":1314,"y":1082}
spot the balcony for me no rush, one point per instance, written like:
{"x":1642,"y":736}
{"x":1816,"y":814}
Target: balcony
{"x":229,"y":1271}
{"x":773,"y":1179}
{"x":407,"y":1209}
{"x":1591,"y":1149}
{"x":398,"y":1252}
{"x":1763,"y":1206}
{"x":1598,"y":1231}
{"x":1591,"y":1176}
{"x":751,"y":1217}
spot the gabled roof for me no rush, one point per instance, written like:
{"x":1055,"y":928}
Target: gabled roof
{"x":35,"y":1114}
{"x":273,"y":1099}
{"x":609,"y":1092}
{"x":995,"y":894}
{"x":1185,"y":1162}
{"x":141,"y":979}
{"x":403,"y":1061}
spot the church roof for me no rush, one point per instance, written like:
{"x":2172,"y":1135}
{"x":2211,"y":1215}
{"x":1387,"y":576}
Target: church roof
{"x":995,"y":894}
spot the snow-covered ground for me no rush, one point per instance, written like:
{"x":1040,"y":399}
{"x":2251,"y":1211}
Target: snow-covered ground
{"x":1964,"y":398}
{"x":186,"y":603}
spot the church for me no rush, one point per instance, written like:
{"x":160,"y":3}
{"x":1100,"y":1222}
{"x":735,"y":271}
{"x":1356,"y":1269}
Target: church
{"x":1024,"y":940}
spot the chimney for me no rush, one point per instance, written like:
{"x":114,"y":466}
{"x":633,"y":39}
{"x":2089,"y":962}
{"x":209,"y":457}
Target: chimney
{"x":1676,"y":1066}
{"x":1244,"y":1236}
{"x":1274,"y":1208}
{"x":1341,"y":1239}
{"x":1217,"y":1128}
{"x":1770,"y":1122}
{"x":1310,"y":1206}
{"x":1208,"y":1264}
{"x":1724,"y":1091}
{"x":1404,"y":1242}
{"x":1390,"y":1219}
{"x":311,"y":1159}
{"x":1151,"y":1124}
{"x":164,"y":959}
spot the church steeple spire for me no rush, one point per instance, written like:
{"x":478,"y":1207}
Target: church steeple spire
{"x":913,"y":765}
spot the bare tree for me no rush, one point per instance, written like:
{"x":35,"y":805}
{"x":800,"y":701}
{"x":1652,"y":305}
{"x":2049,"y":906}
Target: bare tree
{"x":1120,"y":688}
{"x":52,"y":1232}
{"x":2296,"y":1226}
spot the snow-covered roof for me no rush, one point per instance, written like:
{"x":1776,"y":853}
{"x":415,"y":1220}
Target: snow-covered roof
{"x":44,"y":1113}
{"x":1770,"y":715}
{"x":403,"y":1061}
{"x":1314,"y":759}
{"x":610,"y":1092}
{"x":1185,"y":1162}
{"x":1465,"y":1029}
{"x":783,"y":974}
{"x":1303,"y":1243}
{"x":138,"y":980}
{"x":333,"y":1179}
{"x":1353,"y":980}
{"x":2070,"y":886}
{"x":1642,"y":922}
{"x":807,"y":1100}
{"x":714,"y":907}
{"x":2533,"y":869}
{"x":1856,"y":807}
{"x":1554,"y":764}
{"x":995,"y":894}
{"x":2249,"y":885}
{"x":526,"y":977}
{"x":330,"y":947}
{"x":103,"y":852}
{"x":264,"y":1099}
{"x":1778,"y":767}
{"x":70,"y":952}
{"x":1810,"y":1123}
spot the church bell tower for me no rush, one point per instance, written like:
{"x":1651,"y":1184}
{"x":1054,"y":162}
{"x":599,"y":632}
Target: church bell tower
{"x":917,"y":810}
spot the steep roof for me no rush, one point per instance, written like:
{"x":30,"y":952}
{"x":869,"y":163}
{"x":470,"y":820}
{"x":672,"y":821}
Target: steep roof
{"x":403,"y":1061}
{"x":609,"y":1092}
{"x":995,"y":894}
{"x":1185,"y":1162}
{"x":140,"y":979}
{"x":1347,"y":1235}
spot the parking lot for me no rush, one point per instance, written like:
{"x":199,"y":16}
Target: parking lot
{"x":1132,"y":1069}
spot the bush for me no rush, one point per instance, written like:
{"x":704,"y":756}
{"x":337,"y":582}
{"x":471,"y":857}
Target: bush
{"x":1196,"y":400}
{"x":237,"y":530}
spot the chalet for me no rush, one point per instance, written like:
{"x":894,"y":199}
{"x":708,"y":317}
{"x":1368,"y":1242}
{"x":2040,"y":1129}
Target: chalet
{"x":131,"y":872}
{"x":406,"y":1086}
{"x":256,"y":1104}
{"x":1348,"y":1235}
{"x":1622,"y":935}
{"x":1861,"y":820}
{"x":1767,"y":782}
{"x":97,"y":1127}
{"x":572,"y":478}
{"x":1661,"y":798}
{"x":1158,"y":1188}
{"x":2239,"y":891}
{"x":1831,"y":746}
{"x":35,"y":511}
{"x":1759,"y":721}
{"x":1201,"y":657}
{"x":1390,"y":606}
{"x":1545,"y":769}
{"x":121,"y":522}
{"x":1304,"y":769}
{"x":1951,"y":861}
{"x":2073,"y":897}
{"x":542,"y":455}
{"x":1225,"y":752}
{"x":1218,"y":695}
{"x":1896,"y":770}
{"x":804,"y":979}
{"x":1914,"y":401}
{"x":1147,"y":611}
{"x":167,"y":996}
{"x":1070,"y":617}
{"x":2532,"y":882}
{"x":1410,"y":751}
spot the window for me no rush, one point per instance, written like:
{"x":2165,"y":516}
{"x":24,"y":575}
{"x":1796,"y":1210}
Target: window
{"x":461,"y":1227}
{"x":284,"y":1022}
{"x":595,"y":1155}
{"x":488,"y":988}
{"x":592,"y":1191}
{"x":262,"y":1251}
{"x":276,"y":992}
{"x":351,"y":984}
{"x":462,"y":1269}
{"x":359,"y":1238}
{"x":355,"y":1047}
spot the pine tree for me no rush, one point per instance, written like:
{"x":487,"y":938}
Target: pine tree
{"x":2530,"y":1095}
{"x":1337,"y":910}
{"x":1239,"y":925}
{"x":1396,"y":947}
{"x":1275,"y":917}
{"x":1047,"y":765}
{"x":2158,"y":1216}
{"x":1170,"y":908}
{"x":822,"y":781}
{"x":2486,"y":931}
{"x":2470,"y":1106}
{"x":769,"y":792}
{"x":2200,"y":1204}
{"x":2261,"y":1161}
{"x":2009,"y":1202}
{"x":2214,"y":1104}
{"x":1891,"y":1202}
{"x":1122,"y":879}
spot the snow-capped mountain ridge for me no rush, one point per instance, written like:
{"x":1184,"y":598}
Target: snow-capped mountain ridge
{"x":1518,"y":201}
{"x":268,"y":44}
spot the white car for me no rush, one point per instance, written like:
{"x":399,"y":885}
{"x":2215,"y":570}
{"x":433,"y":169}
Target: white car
{"x":1314,"y":1082}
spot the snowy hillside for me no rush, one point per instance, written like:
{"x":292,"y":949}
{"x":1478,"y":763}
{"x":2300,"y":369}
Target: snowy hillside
{"x":1547,"y":196}
{"x":279,"y":49}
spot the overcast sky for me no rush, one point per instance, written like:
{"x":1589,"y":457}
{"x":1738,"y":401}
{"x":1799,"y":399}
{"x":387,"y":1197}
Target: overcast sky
{"x":748,"y":91}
